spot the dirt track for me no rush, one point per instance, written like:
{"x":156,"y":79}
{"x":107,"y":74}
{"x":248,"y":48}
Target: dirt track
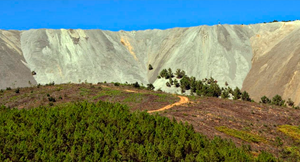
{"x":183,"y":100}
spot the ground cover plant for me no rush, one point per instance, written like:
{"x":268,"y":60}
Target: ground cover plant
{"x":204,"y":113}
{"x":105,"y":131}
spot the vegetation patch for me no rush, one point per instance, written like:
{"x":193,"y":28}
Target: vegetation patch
{"x":84,"y":91}
{"x":291,"y":153}
{"x":243,"y":135}
{"x":134,"y":97}
{"x":291,"y":131}
{"x":108,"y":92}
{"x":107,"y":132}
{"x":162,"y":97}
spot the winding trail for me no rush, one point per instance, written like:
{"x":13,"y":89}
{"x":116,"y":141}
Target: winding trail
{"x":183,"y":100}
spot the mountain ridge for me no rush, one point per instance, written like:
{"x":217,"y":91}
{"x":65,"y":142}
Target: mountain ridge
{"x":232,"y":53}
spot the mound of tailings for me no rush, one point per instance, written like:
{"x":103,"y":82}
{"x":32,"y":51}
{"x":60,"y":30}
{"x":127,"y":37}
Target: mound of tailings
{"x":263,"y":59}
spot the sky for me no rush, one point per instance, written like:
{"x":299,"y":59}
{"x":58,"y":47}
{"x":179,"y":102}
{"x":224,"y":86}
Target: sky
{"x":130,"y":15}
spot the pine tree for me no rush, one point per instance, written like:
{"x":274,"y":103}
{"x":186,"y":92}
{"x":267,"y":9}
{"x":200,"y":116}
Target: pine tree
{"x":245,"y":96}
{"x":150,"y":67}
{"x":237,"y":93}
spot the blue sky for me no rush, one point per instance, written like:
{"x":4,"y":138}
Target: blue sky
{"x":141,"y":14}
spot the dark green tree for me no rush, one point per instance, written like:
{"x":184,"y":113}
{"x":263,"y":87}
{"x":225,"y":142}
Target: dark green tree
{"x":277,"y":100}
{"x":150,"y":67}
{"x":245,"y":96}
{"x":237,"y":93}
{"x":164,"y":74}
{"x":214,"y":90}
{"x":168,"y":84}
{"x":136,"y":85}
{"x":290,"y":102}
{"x":170,"y":73}
{"x":265,"y":100}
{"x":185,"y":83}
{"x":225,"y":94}
{"x":170,"y":81}
{"x":180,"y":73}
{"x":176,"y":83}
{"x":193,"y":83}
{"x":150,"y":86}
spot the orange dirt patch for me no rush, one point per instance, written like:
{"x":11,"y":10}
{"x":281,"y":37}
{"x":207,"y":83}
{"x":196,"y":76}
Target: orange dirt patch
{"x":182,"y":101}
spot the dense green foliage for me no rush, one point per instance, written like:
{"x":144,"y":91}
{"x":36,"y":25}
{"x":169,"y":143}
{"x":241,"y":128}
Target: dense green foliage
{"x":210,"y":88}
{"x":106,"y":132}
{"x":245,"y":96}
{"x":277,"y":100}
{"x":206,"y":87}
{"x":265,"y":100}
{"x":150,"y":86}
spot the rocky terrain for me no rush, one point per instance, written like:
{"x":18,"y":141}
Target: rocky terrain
{"x":262,"y":59}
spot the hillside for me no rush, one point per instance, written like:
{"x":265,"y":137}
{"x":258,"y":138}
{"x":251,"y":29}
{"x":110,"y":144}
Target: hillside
{"x":262,"y":59}
{"x":263,"y":127}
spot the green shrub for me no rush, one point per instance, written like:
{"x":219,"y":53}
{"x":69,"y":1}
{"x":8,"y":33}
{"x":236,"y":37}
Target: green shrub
{"x":150,"y":67}
{"x":265,"y":156}
{"x":176,"y":83}
{"x":17,"y":90}
{"x":50,"y":84}
{"x":290,"y":102}
{"x":8,"y":88}
{"x":225,"y":94}
{"x":245,"y":96}
{"x":168,"y":84}
{"x":164,"y":74}
{"x":185,"y":83}
{"x":51,"y":99}
{"x":236,"y":93}
{"x":106,"y":132}
{"x":277,"y":100}
{"x":150,"y":86}
{"x":136,"y":85}
{"x":180,"y":73}
{"x":265,"y":100}
{"x":171,"y":81}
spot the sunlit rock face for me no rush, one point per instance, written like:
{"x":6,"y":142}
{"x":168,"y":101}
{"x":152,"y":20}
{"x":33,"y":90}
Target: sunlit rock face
{"x":263,"y":59}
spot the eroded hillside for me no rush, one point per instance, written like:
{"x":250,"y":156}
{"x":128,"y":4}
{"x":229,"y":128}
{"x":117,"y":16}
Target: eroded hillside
{"x":261,"y":58}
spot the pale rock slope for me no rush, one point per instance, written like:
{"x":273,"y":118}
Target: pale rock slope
{"x":14,"y":71}
{"x":262,"y":58}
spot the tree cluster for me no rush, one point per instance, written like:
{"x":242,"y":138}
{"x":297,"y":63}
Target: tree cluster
{"x":107,"y":132}
{"x":205,"y":87}
{"x":277,"y":100}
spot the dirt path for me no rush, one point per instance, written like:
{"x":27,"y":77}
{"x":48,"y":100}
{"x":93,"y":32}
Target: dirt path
{"x":183,"y":100}
{"x":130,"y":91}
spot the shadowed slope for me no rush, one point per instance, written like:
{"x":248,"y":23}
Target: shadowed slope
{"x":13,"y":67}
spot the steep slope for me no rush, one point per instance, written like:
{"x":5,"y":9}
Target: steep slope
{"x":276,"y":62}
{"x":77,"y":55}
{"x":262,"y":58}
{"x":223,"y":52}
{"x":13,"y":67}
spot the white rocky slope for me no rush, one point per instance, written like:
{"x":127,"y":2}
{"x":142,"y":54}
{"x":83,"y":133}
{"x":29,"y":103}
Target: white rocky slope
{"x":225,"y":52}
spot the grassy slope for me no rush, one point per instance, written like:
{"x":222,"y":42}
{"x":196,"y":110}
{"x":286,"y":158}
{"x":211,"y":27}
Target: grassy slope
{"x":205,"y":114}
